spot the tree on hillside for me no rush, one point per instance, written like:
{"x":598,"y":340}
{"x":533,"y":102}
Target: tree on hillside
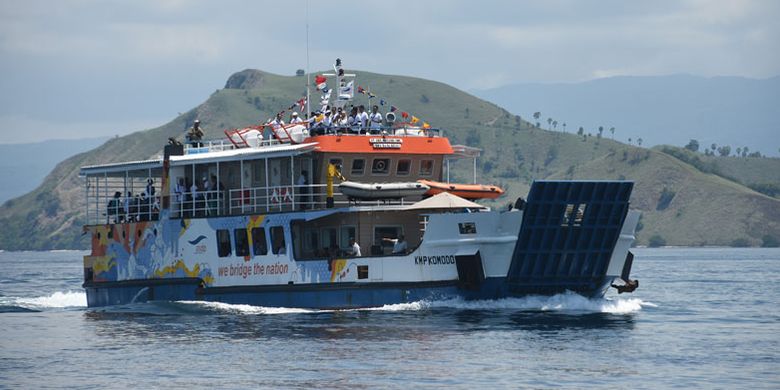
{"x":714,"y":147}
{"x":564,"y":127}
{"x":693,"y":145}
{"x":612,"y":130}
{"x":601,"y":130}
{"x":629,"y":140}
{"x":724,"y":150}
{"x":745,"y":151}
{"x":555,"y":125}
{"x":581,"y":131}
{"x":639,"y":141}
{"x":549,"y":123}
{"x":739,"y":151}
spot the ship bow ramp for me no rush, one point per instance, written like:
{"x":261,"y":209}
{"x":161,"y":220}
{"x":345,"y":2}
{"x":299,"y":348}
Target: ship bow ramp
{"x":571,"y":237}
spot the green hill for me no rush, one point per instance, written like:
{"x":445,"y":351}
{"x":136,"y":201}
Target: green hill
{"x":761,"y":174}
{"x":705,"y":208}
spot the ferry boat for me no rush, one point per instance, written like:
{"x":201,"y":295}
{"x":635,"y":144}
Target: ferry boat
{"x":257,"y":218}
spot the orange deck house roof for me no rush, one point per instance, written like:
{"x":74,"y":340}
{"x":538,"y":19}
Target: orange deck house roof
{"x":382,"y":144}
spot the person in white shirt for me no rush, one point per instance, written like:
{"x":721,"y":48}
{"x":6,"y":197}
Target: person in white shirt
{"x":352,"y":119}
{"x":294,"y":119}
{"x":399,"y":244}
{"x":361,"y":118}
{"x":354,"y":248}
{"x":180,"y":190}
{"x":376,"y":120}
{"x":277,"y":121}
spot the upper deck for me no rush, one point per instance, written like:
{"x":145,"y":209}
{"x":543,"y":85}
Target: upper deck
{"x":222,"y":177}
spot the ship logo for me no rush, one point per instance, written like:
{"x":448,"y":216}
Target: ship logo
{"x":197,"y":240}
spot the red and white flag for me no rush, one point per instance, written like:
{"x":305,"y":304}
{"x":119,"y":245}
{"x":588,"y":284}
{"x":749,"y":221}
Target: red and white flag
{"x":320,"y":81}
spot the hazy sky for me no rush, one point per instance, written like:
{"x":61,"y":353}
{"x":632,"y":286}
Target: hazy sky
{"x":89,"y":68}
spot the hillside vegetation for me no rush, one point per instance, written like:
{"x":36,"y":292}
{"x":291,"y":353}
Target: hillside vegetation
{"x":682,"y":204}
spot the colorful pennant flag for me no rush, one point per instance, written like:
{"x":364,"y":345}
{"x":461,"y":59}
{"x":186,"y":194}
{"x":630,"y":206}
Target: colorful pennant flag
{"x":320,"y":81}
{"x":414,"y":120}
{"x":405,"y":114}
{"x":426,"y":125}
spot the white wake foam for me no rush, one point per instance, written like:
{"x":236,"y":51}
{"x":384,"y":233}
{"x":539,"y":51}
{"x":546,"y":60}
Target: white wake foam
{"x":58,"y":299}
{"x":248,"y":309}
{"x":568,"y":302}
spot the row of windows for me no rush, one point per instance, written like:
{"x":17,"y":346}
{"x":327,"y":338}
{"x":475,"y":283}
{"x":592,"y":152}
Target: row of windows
{"x":382,"y":166}
{"x":259,"y":243}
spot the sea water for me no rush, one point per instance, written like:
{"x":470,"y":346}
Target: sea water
{"x":700,"y":318}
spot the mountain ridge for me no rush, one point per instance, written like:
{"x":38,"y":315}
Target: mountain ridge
{"x":514,"y":153}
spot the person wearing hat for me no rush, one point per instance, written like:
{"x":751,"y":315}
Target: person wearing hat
{"x":295,"y":119}
{"x":195,"y":135}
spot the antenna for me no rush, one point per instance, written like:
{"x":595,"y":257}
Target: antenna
{"x":308,"y":72}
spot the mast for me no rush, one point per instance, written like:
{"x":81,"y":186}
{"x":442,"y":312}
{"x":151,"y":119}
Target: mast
{"x":308,"y":72}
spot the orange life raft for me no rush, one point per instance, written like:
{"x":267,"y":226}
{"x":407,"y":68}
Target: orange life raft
{"x":466,"y":191}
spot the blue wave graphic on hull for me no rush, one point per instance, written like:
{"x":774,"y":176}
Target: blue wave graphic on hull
{"x":197,"y":240}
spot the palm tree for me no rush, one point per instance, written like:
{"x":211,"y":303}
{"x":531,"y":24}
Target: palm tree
{"x":555,"y":125}
{"x":714,"y":147}
{"x":629,"y":140}
{"x":564,"y":128}
{"x":612,"y":130}
{"x":639,"y":141}
{"x":739,"y":150}
{"x":581,"y":131}
{"x":549,"y":123}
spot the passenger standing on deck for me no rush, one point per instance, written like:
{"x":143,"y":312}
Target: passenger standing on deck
{"x":277,"y":121}
{"x":303,"y":189}
{"x":361,"y":119}
{"x":195,"y":135}
{"x":352,"y":119}
{"x":113,"y":207}
{"x":180,"y":190}
{"x":376,"y":120}
{"x":197,"y":195}
{"x":399,"y":244}
{"x":126,"y":205}
{"x":294,"y":118}
{"x":354,"y":248}
{"x":150,"y":188}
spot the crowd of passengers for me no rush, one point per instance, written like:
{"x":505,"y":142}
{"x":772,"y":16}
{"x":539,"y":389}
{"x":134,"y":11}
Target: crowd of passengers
{"x":141,"y":207}
{"x":336,"y":119}
{"x":201,"y":198}
{"x":330,"y":120}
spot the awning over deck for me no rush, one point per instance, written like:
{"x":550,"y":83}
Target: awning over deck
{"x":143,"y":166}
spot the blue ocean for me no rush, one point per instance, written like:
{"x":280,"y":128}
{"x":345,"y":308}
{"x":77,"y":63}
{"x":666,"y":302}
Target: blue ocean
{"x":701,"y":318}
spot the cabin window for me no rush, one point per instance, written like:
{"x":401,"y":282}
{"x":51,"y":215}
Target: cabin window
{"x":381,"y":246}
{"x":259,"y":245}
{"x":467,"y":228}
{"x":223,"y":242}
{"x":362,"y":271}
{"x":347,"y":232}
{"x":329,"y":238}
{"x":380,"y":166}
{"x":358,"y":167}
{"x":311,"y":242}
{"x":426,"y":168}
{"x":242,"y":242}
{"x":573,"y":214}
{"x":279,"y":247}
{"x":404,"y":167}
